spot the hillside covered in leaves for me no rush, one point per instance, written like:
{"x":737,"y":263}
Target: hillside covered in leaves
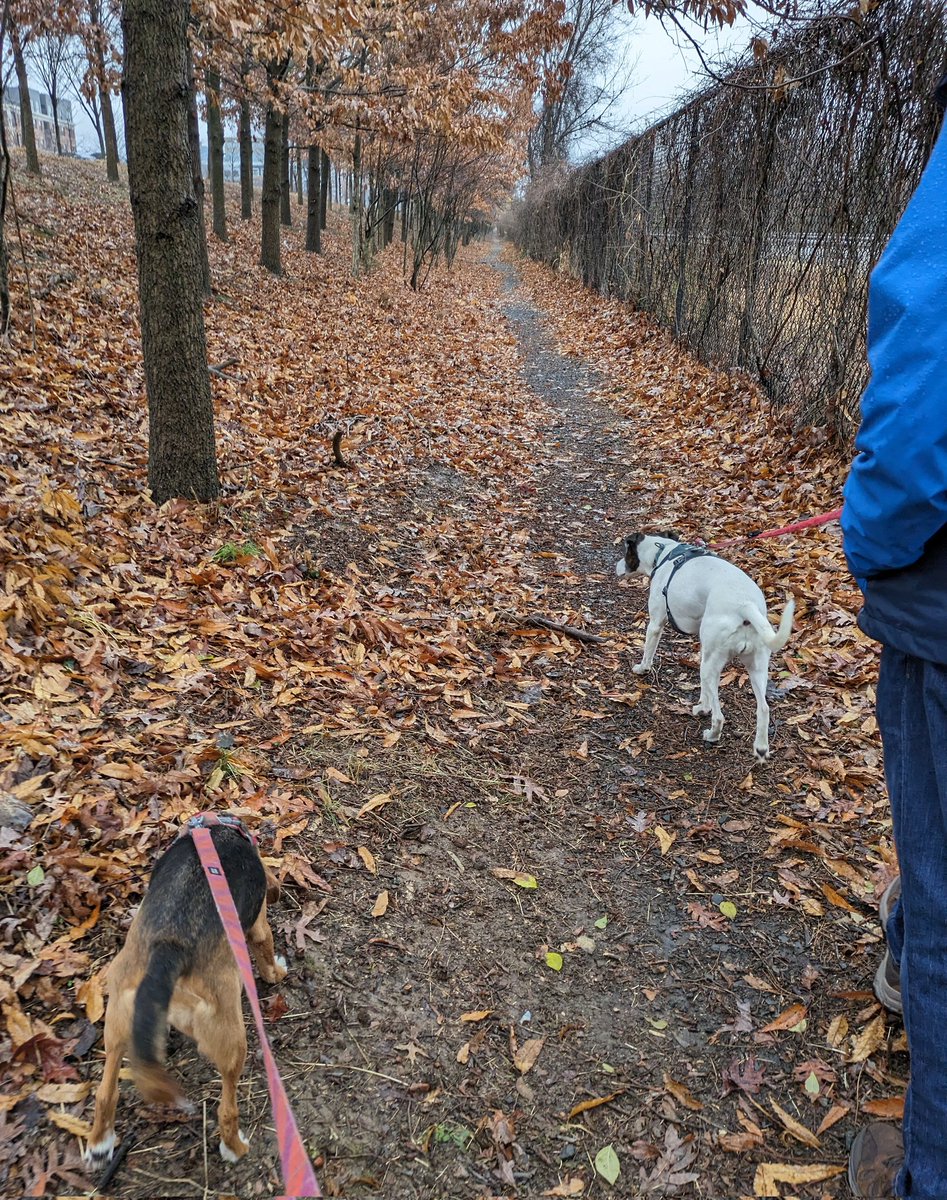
{"x":538,"y":932}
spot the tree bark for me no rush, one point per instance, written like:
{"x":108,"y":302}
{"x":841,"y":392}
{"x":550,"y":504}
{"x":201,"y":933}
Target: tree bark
{"x":270,"y":193}
{"x":246,"y":161}
{"x":26,"y":108}
{"x":325,"y":173}
{"x":314,"y":191}
{"x":182,"y":460}
{"x":286,"y":212}
{"x":197,"y":176}
{"x":215,"y":153}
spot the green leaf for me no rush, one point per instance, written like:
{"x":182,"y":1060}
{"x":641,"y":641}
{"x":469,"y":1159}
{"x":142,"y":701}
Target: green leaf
{"x":525,"y":881}
{"x":554,"y":960}
{"x":607,"y":1164}
{"x":607,"y":1068}
{"x":660,"y":1023}
{"x":36,"y":876}
{"x":729,"y":909}
{"x":601,"y":922}
{"x":812,"y":1084}
{"x":800,"y":1028}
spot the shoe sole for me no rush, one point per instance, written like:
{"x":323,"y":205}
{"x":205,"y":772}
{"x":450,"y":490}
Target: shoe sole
{"x":890,"y":997}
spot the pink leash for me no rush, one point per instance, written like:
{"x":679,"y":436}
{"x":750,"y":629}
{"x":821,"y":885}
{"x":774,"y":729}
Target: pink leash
{"x":808,"y":523}
{"x":299,"y":1178}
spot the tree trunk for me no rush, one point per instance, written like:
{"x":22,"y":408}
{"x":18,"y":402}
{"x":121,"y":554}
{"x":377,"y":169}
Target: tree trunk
{"x":111,"y":140}
{"x":53,"y":95}
{"x":197,"y":177}
{"x":325,"y":173}
{"x":26,"y":108}
{"x":313,"y":213}
{"x":215,"y":153}
{"x":299,"y":175}
{"x":182,"y":460}
{"x":270,"y":192}
{"x":286,"y":212}
{"x":97,"y":62}
{"x":246,"y":161}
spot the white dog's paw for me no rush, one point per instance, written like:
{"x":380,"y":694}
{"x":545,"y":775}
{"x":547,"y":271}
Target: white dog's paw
{"x":640,"y":668}
{"x":97,"y":1154}
{"x":761,"y":753}
{"x":712,"y":736}
{"x":232,"y":1156}
{"x":700,"y":710}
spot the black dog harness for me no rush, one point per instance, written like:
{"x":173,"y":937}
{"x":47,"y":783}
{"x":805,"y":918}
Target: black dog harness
{"x":678,"y":555}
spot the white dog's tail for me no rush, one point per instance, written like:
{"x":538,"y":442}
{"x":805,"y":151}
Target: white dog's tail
{"x":772,"y":639}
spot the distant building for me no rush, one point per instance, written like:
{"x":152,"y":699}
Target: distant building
{"x":43,"y":122}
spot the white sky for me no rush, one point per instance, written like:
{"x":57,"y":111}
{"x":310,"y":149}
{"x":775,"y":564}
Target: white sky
{"x":667,"y":68}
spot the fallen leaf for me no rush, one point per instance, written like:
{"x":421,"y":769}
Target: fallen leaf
{"x":71,"y":1124}
{"x":666,"y":839}
{"x":554,"y":960}
{"x":681,"y":1093}
{"x":868,"y":1040}
{"x":478,"y":1015}
{"x":770,"y":1175}
{"x":607,"y":1164}
{"x":595,"y":1102}
{"x":571,"y":1186}
{"x":788,"y":1019}
{"x":891,"y":1109}
{"x":796,"y":1128}
{"x":525,"y":1057}
{"x":368,"y":859}
{"x":380,"y":907}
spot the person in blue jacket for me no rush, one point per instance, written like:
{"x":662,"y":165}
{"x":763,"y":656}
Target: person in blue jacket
{"x":894,"y":526}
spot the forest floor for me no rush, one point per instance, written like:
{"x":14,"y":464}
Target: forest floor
{"x":537,"y":930}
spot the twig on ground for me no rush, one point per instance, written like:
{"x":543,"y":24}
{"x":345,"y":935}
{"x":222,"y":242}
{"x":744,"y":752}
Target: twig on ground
{"x":118,"y":1158}
{"x":337,"y":450}
{"x":580,"y":635}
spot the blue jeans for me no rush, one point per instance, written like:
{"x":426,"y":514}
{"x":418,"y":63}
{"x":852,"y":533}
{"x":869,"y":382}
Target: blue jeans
{"x":912,"y":716}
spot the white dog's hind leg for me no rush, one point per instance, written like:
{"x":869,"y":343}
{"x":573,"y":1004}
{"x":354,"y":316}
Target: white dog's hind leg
{"x":651,"y":640}
{"x":757,"y":667}
{"x":712,"y":664}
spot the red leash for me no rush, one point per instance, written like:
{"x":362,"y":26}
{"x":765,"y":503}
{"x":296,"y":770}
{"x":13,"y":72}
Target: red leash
{"x":299,"y":1179}
{"x":808,"y":523}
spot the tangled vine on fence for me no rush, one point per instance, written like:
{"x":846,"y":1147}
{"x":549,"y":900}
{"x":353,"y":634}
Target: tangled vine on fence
{"x":749,"y":219}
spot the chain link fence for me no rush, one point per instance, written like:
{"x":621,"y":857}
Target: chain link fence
{"x":749,"y":219}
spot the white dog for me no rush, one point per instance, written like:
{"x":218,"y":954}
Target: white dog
{"x":700,"y":593}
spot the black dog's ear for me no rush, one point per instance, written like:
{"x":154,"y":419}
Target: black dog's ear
{"x":635,"y":539}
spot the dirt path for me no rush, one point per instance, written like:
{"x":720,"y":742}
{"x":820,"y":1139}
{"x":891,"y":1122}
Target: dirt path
{"x":437,"y":1054}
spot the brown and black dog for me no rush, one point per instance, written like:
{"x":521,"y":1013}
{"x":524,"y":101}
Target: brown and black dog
{"x":177,"y":968}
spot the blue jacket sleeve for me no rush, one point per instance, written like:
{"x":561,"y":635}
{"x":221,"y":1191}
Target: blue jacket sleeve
{"x":896,"y":494}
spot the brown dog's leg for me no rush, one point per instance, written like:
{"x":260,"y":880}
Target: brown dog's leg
{"x":221,"y":1036}
{"x":117,"y":1034}
{"x":260,"y":940}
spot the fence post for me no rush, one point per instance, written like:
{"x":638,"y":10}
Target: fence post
{"x":686,"y":221}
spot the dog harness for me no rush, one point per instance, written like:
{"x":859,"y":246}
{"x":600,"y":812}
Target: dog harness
{"x":205,"y":820}
{"x":678,"y":555}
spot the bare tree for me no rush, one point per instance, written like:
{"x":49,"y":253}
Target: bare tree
{"x":47,"y":53}
{"x":79,"y":80}
{"x":583,"y":79}
{"x":18,"y":38}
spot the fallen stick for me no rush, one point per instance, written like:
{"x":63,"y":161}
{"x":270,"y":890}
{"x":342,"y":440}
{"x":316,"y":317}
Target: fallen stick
{"x":569,"y":630}
{"x":218,"y":369}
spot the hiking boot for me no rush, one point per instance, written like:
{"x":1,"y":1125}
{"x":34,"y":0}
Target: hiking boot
{"x":888,"y":900}
{"x":876,"y":1157}
{"x":888,"y":984}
